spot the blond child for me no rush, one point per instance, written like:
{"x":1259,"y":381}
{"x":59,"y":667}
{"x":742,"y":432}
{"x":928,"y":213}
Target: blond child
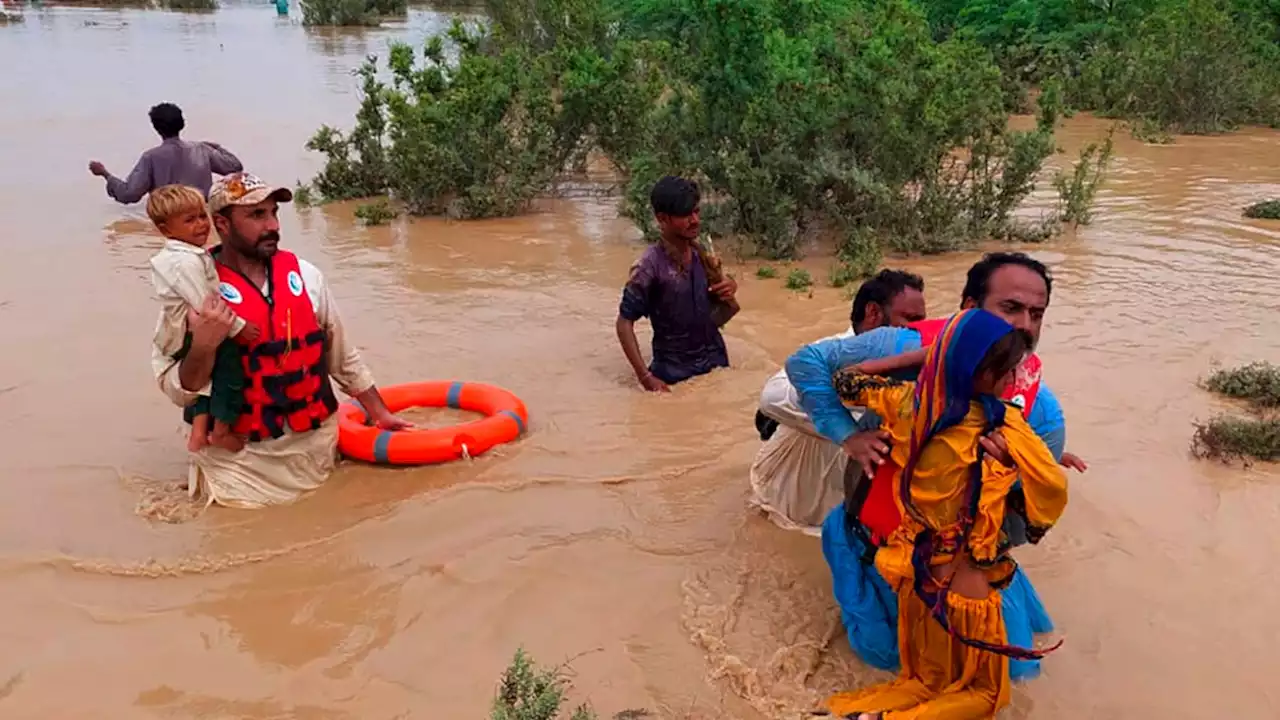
{"x":184,"y":274}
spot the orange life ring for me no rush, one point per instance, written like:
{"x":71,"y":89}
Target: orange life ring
{"x":506,"y":421}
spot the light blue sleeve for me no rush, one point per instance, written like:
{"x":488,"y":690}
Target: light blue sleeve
{"x":1047,"y":420}
{"x":811,"y":369}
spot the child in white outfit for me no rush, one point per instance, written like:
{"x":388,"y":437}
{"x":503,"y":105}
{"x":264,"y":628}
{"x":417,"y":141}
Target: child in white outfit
{"x":184,"y":275}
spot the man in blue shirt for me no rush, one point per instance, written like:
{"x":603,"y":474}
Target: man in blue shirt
{"x":1011,"y":285}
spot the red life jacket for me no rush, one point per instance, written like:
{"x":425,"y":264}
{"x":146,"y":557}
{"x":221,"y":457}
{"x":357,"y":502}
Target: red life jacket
{"x":879,"y":513}
{"x":286,"y":377}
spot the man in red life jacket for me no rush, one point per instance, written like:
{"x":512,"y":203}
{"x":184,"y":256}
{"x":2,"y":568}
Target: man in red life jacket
{"x":288,"y":419}
{"x":1011,"y":285}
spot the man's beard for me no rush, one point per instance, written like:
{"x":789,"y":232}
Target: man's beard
{"x":1029,"y":339}
{"x":261,"y":249}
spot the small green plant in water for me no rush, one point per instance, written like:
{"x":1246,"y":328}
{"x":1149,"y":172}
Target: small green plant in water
{"x":1265,"y":210}
{"x":1230,"y":438}
{"x":527,"y":692}
{"x":368,"y":13}
{"x":765,"y":272}
{"x":1078,"y":189}
{"x":799,"y":279}
{"x":190,"y":4}
{"x":375,"y":213}
{"x":1258,"y":382}
{"x":303,"y":195}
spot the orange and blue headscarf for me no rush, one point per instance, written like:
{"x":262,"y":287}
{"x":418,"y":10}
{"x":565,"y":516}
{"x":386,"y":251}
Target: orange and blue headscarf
{"x":943,"y":396}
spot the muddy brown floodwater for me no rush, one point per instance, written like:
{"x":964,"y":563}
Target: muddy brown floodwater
{"x":617,"y":530}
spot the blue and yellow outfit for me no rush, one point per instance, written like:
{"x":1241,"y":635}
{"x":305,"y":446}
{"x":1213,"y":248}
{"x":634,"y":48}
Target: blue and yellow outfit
{"x":868,"y":605}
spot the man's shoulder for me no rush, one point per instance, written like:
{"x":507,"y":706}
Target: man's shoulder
{"x":311,"y":275}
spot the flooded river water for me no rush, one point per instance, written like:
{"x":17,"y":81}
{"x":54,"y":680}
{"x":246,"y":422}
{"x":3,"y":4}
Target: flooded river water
{"x":617,"y":531}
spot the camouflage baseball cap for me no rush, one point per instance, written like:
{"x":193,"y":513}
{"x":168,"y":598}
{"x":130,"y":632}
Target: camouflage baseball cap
{"x":243,"y":188}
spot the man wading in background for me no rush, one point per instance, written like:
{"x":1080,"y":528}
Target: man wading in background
{"x":672,"y":286}
{"x":173,"y":162}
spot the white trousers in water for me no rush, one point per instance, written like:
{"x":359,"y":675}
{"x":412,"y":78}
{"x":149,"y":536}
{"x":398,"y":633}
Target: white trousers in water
{"x":798,"y":475}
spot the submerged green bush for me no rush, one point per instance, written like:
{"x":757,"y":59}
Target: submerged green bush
{"x":837,"y":119}
{"x":351,"y":12}
{"x":1167,"y":66}
{"x":1243,"y":438}
{"x":1265,"y":210}
{"x":527,"y":692}
{"x":1257,"y":382}
{"x":1230,"y":438}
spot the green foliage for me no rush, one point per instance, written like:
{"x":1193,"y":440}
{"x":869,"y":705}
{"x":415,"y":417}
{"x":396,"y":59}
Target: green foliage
{"x":1257,"y":382}
{"x":351,"y":12}
{"x":375,"y":213}
{"x":1078,"y":189}
{"x":484,"y":131}
{"x":799,"y":115}
{"x":303,"y":195}
{"x":766,"y":271}
{"x":527,"y":692}
{"x":1256,"y":437}
{"x":1266,"y":210}
{"x":799,"y":279}
{"x":191,"y":4}
{"x":1196,"y":66}
{"x":1230,"y":438}
{"x":798,"y":118}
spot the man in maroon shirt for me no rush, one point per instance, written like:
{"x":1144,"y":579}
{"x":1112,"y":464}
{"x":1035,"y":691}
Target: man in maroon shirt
{"x":669,"y":286}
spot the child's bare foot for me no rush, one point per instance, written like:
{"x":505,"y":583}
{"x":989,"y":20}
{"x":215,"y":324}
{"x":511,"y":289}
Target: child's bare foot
{"x":223,"y":437}
{"x":199,"y":433}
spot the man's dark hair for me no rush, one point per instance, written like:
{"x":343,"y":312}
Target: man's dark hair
{"x":978,"y":283}
{"x":674,"y":196}
{"x":881,"y":290}
{"x":166,"y":118}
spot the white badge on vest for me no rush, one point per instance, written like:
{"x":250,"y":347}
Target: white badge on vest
{"x":295,"y":283}
{"x":230,"y":293}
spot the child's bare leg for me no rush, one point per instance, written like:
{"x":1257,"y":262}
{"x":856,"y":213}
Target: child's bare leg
{"x":223,"y":437}
{"x":199,"y":433}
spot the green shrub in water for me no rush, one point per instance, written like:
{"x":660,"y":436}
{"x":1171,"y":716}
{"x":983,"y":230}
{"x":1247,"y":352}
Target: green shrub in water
{"x":1166,"y":66}
{"x":527,"y":692}
{"x":766,"y":271}
{"x":190,"y":4}
{"x":1230,"y":438}
{"x":1258,"y":382}
{"x":375,"y":213}
{"x":367,"y":13}
{"x":798,"y":117}
{"x":799,"y":279}
{"x":1265,"y":210}
{"x":1078,"y":189}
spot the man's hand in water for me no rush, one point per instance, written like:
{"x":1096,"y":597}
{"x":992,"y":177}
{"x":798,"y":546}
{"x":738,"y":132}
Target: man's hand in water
{"x":98,"y":169}
{"x":1074,"y":462}
{"x":391,"y":421}
{"x":867,"y":448}
{"x":211,"y":323}
{"x":650,"y":382}
{"x":725,"y":289}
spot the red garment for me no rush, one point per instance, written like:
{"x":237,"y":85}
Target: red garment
{"x":879,"y":513}
{"x":286,"y":378}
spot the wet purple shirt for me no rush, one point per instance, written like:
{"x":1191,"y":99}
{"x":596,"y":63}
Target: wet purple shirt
{"x":174,"y":161}
{"x":686,"y":334}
